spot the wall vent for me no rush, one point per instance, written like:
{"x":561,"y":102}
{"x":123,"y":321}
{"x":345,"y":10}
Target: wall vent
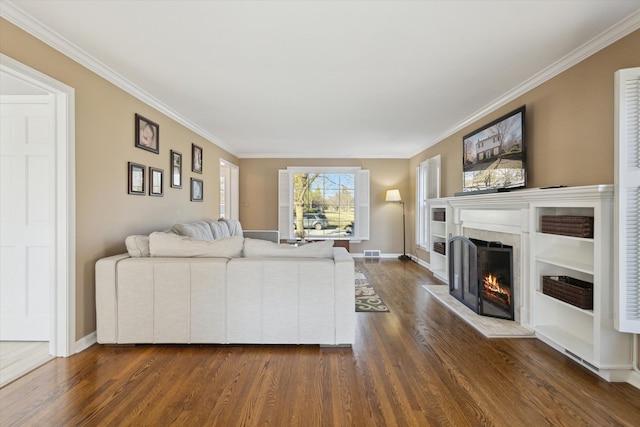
{"x":372,"y":253}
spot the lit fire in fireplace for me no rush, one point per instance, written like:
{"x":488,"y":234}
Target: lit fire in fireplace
{"x":492,"y":291}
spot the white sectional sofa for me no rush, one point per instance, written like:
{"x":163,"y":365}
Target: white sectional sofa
{"x":178,"y":288}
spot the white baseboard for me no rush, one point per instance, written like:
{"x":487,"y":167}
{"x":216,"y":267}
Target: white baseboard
{"x":86,"y":342}
{"x":634,"y":379}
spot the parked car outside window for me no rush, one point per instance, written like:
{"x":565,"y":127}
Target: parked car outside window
{"x":317,"y":221}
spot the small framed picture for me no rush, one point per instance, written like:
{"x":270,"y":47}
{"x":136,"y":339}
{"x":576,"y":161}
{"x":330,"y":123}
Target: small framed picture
{"x":147,"y":134}
{"x":176,"y":169}
{"x":196,"y":158}
{"x":196,"y":190}
{"x":136,"y":179}
{"x":156,"y":182}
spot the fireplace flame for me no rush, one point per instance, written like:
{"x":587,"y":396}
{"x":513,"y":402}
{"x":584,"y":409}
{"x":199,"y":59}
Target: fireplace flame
{"x":492,"y":290}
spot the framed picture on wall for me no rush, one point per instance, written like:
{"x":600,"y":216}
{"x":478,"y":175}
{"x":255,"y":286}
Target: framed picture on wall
{"x":196,"y":190}
{"x":147,"y":134}
{"x":176,"y":169}
{"x":196,"y":158}
{"x":136,"y":179}
{"x":156,"y":182}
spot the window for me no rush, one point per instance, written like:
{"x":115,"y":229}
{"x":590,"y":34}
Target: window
{"x":324,"y":203}
{"x":427,"y":187}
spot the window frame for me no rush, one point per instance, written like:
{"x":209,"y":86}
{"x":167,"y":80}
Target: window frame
{"x":361,"y":202}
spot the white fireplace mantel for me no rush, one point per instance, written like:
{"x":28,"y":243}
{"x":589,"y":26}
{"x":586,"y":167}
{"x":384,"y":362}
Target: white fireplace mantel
{"x":587,"y":336}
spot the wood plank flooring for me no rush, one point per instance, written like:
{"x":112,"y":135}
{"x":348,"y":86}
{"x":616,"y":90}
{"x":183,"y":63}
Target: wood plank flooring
{"x":418,"y":365}
{"x":19,"y":357}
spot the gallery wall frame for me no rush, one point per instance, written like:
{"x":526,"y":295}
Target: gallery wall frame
{"x":196,"y":158}
{"x":156,"y":182}
{"x":147,"y":134}
{"x":197,"y":190}
{"x":176,"y":169}
{"x":136,"y":181}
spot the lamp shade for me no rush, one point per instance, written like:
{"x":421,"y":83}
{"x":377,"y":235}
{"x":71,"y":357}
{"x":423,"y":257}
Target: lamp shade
{"x":393,"y":196}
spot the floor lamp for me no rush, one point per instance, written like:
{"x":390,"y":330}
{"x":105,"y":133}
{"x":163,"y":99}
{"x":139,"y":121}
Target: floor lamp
{"x":394,"y":196}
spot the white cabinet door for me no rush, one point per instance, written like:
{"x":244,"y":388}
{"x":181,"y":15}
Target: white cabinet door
{"x":27,"y":150}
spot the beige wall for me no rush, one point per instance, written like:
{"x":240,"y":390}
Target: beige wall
{"x":259,"y":196}
{"x":569,"y":127}
{"x":105,"y":213}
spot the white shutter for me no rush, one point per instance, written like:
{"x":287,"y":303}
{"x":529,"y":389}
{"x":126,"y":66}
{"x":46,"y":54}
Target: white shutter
{"x":627,"y":201}
{"x":285,"y":210}
{"x":361,"y":224}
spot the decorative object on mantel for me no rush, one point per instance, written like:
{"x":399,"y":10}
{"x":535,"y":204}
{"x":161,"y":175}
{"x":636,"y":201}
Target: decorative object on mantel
{"x":136,"y":179}
{"x":366,"y":297}
{"x":394,"y":196}
{"x":147,"y":134}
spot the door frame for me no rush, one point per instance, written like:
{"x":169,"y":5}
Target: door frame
{"x":62,"y":295}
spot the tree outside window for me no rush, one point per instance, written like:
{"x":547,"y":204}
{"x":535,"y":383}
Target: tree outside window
{"x":323,"y":204}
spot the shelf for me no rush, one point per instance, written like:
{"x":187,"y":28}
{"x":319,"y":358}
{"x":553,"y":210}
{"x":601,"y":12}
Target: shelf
{"x":566,"y":263}
{"x":439,"y":236}
{"x":564,"y":304}
{"x":566,"y":340}
{"x":542,"y":235}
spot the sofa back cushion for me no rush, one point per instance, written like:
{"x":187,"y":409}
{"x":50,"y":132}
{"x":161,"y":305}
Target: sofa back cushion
{"x":198,"y":230}
{"x":173,"y":245}
{"x":256,"y":248}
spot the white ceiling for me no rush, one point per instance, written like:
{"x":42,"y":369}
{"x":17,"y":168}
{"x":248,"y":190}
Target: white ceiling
{"x":326,"y":78}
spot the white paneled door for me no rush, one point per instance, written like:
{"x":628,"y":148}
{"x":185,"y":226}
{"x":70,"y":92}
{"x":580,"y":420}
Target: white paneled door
{"x":27,"y":221}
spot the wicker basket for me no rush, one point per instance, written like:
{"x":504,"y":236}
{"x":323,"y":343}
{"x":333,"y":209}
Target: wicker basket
{"x":572,"y":291}
{"x":440,"y":247}
{"x":440,"y":216}
{"x":568,"y":225}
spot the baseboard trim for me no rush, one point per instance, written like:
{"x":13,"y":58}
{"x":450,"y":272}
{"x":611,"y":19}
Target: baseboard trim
{"x":634,"y":379}
{"x":85,"y":342}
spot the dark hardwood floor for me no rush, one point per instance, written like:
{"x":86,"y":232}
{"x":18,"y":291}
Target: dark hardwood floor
{"x":417,"y":365}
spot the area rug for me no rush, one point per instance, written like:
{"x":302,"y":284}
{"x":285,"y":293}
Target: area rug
{"x":366,"y":297}
{"x":490,"y":327}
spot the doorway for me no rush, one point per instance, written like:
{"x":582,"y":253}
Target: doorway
{"x":38,"y":222}
{"x":229,"y":190}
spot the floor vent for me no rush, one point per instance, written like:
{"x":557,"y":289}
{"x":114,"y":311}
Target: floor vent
{"x":375,"y":253}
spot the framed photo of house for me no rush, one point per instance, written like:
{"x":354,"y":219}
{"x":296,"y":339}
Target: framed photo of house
{"x":196,"y":158}
{"x":156,"y":182}
{"x":196,"y":190}
{"x":147,"y":134}
{"x":136,"y":179}
{"x":176,"y":169}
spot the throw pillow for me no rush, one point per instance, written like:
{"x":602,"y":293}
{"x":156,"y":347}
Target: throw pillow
{"x":256,"y":248}
{"x":137,"y":246}
{"x":172,"y":245}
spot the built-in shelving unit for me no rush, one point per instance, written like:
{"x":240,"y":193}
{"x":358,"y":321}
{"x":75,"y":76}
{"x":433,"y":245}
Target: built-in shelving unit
{"x":584,"y":335}
{"x":587,"y":336}
{"x":438,"y":237}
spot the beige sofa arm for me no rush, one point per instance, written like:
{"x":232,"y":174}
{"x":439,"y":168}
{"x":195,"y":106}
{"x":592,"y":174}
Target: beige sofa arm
{"x":106,"y":302}
{"x":345,"y":296}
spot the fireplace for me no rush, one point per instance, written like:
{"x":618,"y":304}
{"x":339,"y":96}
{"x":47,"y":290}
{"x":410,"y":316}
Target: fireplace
{"x":481,"y":276}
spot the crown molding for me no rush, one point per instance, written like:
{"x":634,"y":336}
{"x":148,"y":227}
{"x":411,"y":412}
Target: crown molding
{"x":15,"y":15}
{"x":611,"y":35}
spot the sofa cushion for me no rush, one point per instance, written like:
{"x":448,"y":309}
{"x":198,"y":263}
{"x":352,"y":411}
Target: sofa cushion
{"x":198,"y":230}
{"x":256,"y":248}
{"x":219,"y":229}
{"x":234,"y":226}
{"x":137,"y":246}
{"x":172,"y":245}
